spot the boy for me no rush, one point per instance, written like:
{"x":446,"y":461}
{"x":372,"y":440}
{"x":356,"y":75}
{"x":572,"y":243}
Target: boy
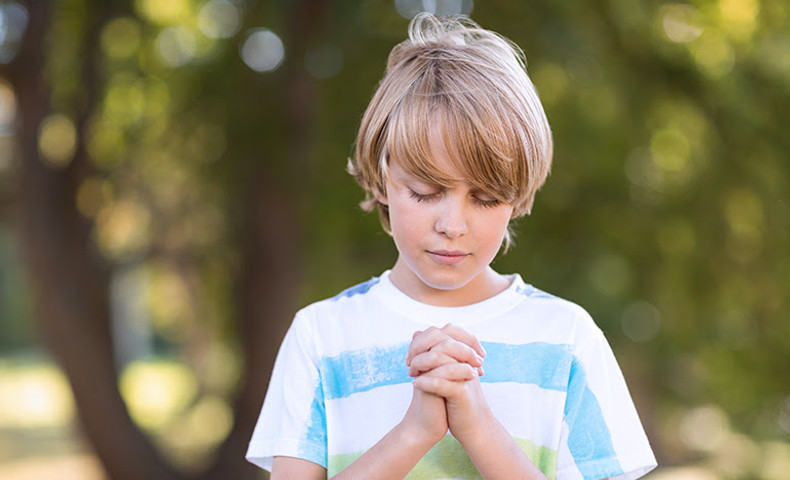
{"x":442,"y":367}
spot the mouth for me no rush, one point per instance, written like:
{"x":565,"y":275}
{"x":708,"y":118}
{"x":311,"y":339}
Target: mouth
{"x":448,"y":257}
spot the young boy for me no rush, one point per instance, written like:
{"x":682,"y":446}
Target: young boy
{"x":442,"y":367}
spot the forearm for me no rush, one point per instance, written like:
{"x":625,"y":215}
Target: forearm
{"x":393,"y":457}
{"x":497,"y":456}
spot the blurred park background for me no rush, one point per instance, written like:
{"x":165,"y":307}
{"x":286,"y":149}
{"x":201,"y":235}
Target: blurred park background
{"x":172,"y":189}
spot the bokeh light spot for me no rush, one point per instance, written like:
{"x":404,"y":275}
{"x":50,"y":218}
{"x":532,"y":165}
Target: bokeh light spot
{"x":176,"y":46}
{"x":169,"y":303}
{"x":92,"y":195}
{"x":641,"y":321}
{"x":744,"y":212}
{"x":681,"y":23}
{"x":123,"y":228}
{"x":410,"y":8}
{"x":219,"y":19}
{"x":670,"y":150}
{"x":704,"y":428}
{"x":262,"y":50}
{"x":210,"y":420}
{"x":57,"y":139}
{"x":124,"y":103}
{"x":713,"y":53}
{"x":13,"y":24}
{"x":121,"y":37}
{"x":739,"y":17}
{"x":8,"y":109}
{"x":169,"y":12}
{"x":156,"y":391}
{"x":34,"y":397}
{"x":105,"y":143}
{"x":776,"y":457}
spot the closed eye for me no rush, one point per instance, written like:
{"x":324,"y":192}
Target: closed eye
{"x":485,"y":199}
{"x":487,"y":202}
{"x":423,"y":197}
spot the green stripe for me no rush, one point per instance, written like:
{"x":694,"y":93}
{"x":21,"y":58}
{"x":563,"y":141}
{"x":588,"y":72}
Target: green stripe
{"x":447,"y":459}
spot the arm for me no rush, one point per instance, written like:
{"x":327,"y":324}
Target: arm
{"x":291,"y":468}
{"x":488,"y":444}
{"x":393,"y":457}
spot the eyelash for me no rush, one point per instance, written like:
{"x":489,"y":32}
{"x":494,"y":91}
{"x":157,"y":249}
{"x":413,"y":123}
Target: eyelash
{"x":433,"y":196}
{"x":421,"y":197}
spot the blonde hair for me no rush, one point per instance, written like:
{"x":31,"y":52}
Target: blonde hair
{"x":474,"y":83}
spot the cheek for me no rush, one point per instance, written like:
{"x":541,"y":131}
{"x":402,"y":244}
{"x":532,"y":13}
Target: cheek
{"x":493,"y":228}
{"x":406,"y":221}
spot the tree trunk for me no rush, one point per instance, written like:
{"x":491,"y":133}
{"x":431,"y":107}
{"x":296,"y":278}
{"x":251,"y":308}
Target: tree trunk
{"x":68,"y":276}
{"x":270,"y":237}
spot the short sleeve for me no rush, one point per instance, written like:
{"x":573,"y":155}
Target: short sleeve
{"x":293,"y":418}
{"x":602,"y":436}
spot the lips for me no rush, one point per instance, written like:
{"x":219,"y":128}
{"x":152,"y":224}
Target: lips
{"x":448,"y":257}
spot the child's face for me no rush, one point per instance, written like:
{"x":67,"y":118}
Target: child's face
{"x":446,"y":237}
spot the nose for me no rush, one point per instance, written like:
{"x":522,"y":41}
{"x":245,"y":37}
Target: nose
{"x":451,"y":219}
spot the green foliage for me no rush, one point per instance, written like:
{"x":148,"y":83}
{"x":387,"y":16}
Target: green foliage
{"x":667,"y":214}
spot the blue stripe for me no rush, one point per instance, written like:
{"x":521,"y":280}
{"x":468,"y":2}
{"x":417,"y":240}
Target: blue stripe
{"x":543,"y":364}
{"x":549,"y":366}
{"x":589,"y":439}
{"x":362,"y":370}
{"x":357,"y":289}
{"x":530,"y":291}
{"x":312,"y":446}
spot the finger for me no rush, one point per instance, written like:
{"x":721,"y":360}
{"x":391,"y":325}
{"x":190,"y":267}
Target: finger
{"x":408,"y":353}
{"x":422,"y":341}
{"x":459,"y":351}
{"x":457,"y":372}
{"x":450,"y":384}
{"x":421,"y":365}
{"x":427,"y":361}
{"x":462,"y":335}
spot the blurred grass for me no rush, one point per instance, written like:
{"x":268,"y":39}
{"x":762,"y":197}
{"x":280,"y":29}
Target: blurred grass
{"x":39,"y":436}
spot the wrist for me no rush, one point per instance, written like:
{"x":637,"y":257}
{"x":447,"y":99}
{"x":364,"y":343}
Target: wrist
{"x":415,"y":438}
{"x":477,"y":432}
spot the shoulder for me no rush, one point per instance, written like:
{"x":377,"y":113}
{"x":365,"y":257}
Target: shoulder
{"x":354,"y":298}
{"x":360,"y":292}
{"x":565,"y":318}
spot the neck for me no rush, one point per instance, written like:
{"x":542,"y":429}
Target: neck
{"x":485,"y":285}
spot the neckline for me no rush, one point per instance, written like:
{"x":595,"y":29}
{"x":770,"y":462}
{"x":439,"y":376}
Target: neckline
{"x":433,"y":315}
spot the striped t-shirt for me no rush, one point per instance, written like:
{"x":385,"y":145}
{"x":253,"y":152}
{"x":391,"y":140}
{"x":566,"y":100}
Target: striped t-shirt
{"x":340,"y":383}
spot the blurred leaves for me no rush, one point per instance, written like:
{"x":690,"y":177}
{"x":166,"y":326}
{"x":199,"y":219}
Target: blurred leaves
{"x":667,"y":214}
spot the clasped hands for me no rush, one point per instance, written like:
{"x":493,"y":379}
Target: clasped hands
{"x":446,"y":364}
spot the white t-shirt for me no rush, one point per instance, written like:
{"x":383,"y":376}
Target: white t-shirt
{"x":340,"y":383}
